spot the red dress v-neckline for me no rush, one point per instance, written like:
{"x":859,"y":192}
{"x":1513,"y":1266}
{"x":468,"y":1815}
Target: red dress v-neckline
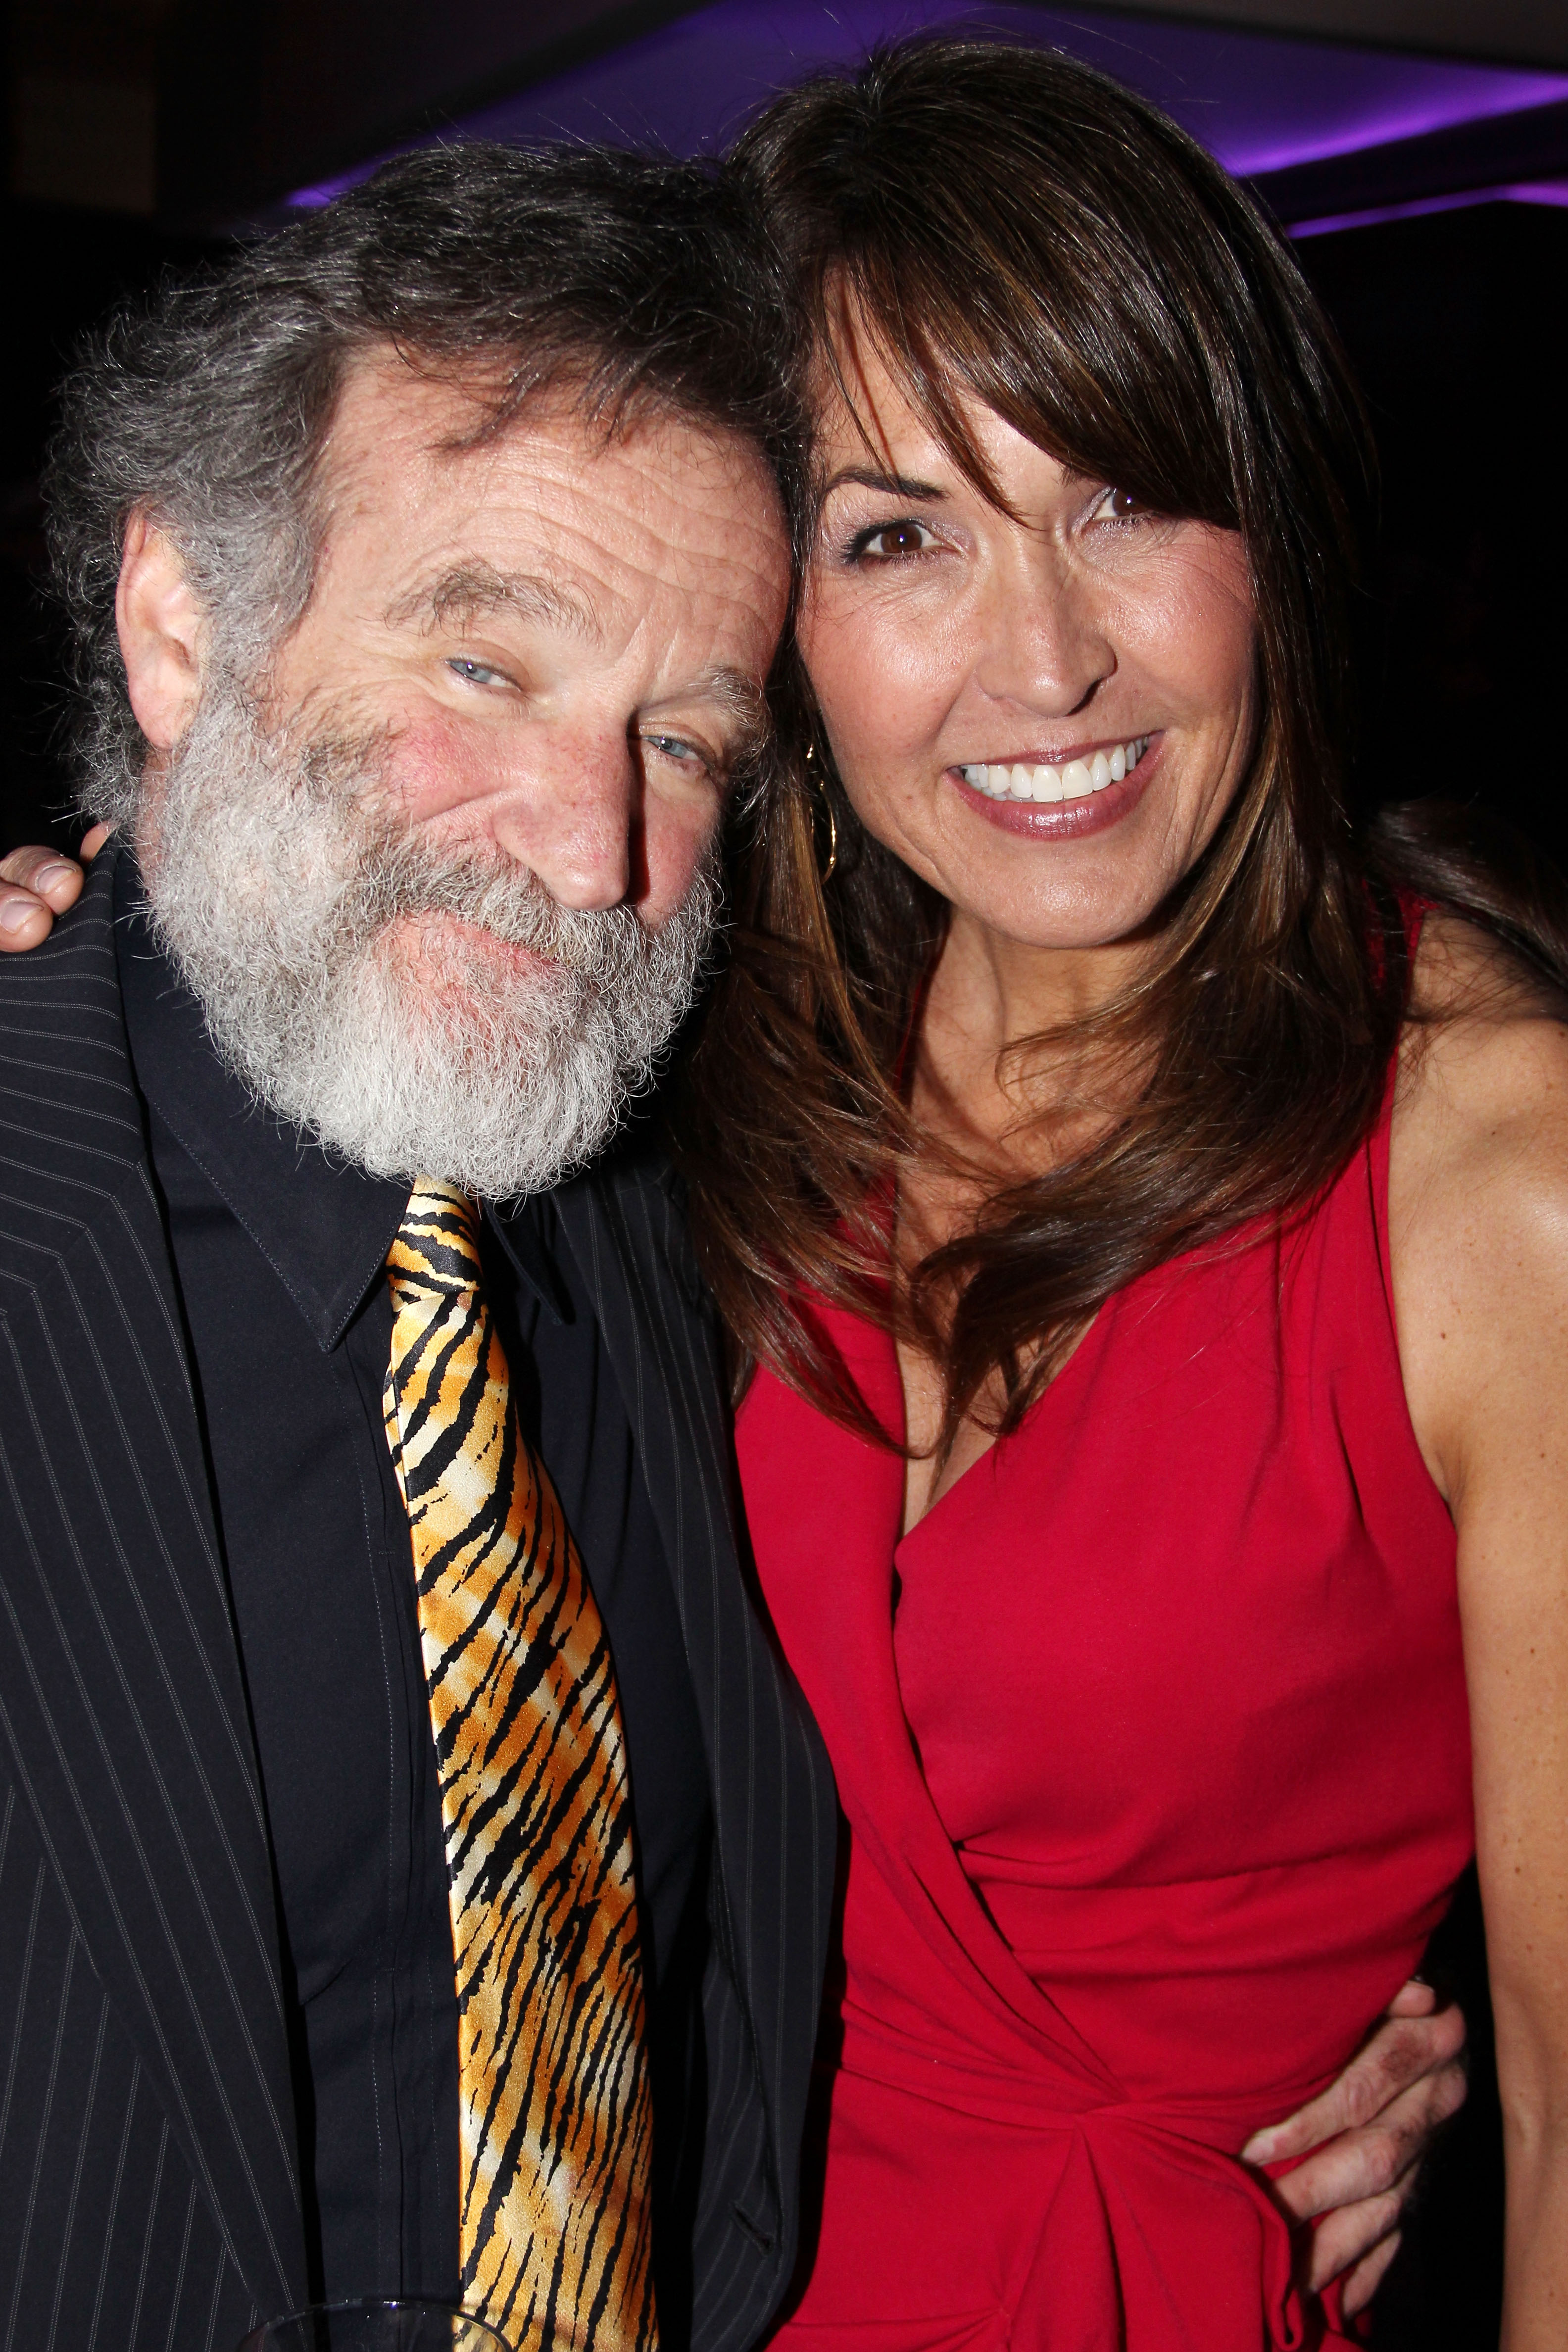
{"x":942,"y":1905}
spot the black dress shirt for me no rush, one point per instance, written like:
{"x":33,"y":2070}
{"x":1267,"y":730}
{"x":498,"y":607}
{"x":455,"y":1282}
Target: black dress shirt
{"x":280,"y":1254}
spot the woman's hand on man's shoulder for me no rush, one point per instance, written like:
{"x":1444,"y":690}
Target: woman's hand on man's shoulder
{"x":36,"y":885}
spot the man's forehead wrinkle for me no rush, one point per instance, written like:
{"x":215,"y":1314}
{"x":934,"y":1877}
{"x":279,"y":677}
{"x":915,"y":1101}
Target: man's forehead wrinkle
{"x":666,"y":550}
{"x":470,"y":590}
{"x":712,"y":667}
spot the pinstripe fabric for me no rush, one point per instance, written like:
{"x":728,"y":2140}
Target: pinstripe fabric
{"x":104,"y":2242}
{"x":125,"y":1753}
{"x":557,"y":2119}
{"x":126,"y":1762}
{"x":776,"y":1820}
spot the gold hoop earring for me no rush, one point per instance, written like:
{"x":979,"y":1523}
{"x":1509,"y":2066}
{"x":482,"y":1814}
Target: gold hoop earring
{"x":828,"y":870}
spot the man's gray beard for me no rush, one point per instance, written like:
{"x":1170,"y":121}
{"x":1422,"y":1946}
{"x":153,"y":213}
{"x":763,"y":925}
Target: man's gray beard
{"x":273,"y":876}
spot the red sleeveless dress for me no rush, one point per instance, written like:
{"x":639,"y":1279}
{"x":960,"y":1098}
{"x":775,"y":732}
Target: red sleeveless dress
{"x":1152,"y":1744}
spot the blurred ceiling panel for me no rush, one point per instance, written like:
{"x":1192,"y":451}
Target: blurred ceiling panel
{"x":1533,"y":32}
{"x":1261,"y":104}
{"x":261,"y":99}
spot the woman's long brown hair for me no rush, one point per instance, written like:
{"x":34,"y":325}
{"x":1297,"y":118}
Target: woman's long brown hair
{"x":1007,"y":223}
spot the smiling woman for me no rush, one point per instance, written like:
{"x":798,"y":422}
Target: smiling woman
{"x":1138,"y":1199}
{"x":1143,"y":625}
{"x":1137,"y":443}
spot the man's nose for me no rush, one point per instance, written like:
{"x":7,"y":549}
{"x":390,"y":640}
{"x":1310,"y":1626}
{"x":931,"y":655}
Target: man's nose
{"x":577,"y":824}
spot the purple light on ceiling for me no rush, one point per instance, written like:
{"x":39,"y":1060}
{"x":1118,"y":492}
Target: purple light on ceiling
{"x":1524,"y":192}
{"x":1258,"y":101}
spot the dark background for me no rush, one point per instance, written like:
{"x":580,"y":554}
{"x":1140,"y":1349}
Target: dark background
{"x":1448,"y":318}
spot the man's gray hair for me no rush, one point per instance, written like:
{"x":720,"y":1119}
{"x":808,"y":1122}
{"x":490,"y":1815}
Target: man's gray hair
{"x":646,"y":285}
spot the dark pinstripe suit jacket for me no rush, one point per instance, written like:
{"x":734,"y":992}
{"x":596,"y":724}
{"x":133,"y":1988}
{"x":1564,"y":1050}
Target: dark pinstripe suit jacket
{"x":148,"y":2175}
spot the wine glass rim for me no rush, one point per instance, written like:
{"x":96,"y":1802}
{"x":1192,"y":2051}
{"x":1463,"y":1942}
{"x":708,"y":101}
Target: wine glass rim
{"x":373,"y":2303}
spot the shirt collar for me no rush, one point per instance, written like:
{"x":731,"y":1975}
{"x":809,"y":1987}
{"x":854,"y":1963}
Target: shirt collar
{"x":516,"y":1226}
{"x":322,"y":1224}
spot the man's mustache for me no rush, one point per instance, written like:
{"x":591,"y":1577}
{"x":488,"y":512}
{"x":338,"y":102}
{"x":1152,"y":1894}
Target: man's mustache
{"x":406,"y":878}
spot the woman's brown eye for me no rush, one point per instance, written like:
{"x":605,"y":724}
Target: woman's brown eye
{"x":1121,"y":503}
{"x":892,"y":539}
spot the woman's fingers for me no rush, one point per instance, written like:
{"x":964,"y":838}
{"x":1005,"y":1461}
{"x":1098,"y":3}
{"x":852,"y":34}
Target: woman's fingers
{"x":36,"y":885}
{"x":1408,"y":2048}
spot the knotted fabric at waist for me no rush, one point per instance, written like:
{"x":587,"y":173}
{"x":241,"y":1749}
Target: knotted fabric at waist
{"x":1120,"y":2225}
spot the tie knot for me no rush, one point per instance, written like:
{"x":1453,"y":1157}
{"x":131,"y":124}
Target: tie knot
{"x":437,"y":1244}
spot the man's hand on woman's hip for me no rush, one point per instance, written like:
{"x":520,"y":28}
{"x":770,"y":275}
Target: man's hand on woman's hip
{"x":1363,"y":2141}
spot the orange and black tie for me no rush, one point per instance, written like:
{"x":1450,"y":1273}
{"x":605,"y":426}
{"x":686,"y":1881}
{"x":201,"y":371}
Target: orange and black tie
{"x":557,"y":2120}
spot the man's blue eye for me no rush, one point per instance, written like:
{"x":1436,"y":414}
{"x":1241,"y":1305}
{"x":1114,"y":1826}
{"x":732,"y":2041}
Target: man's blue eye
{"x":476,"y":673}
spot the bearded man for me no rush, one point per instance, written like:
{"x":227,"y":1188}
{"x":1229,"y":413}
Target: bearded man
{"x":369,"y":1872}
{"x":415,"y":1864}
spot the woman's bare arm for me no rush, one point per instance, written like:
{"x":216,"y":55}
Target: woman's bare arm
{"x":1478,"y":1208}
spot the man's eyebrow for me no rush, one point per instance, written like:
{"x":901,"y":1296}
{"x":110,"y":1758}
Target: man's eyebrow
{"x":738,"y":694}
{"x":469,"y":591}
{"x":890,"y":485}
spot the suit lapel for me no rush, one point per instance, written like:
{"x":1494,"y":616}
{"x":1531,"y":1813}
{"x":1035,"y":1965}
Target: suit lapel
{"x":121,"y":1705}
{"x":774,"y":1812}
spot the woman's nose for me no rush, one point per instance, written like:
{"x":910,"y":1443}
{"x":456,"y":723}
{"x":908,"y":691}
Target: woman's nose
{"x":1046,"y":641}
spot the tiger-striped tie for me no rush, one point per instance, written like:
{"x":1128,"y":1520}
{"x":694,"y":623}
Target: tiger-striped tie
{"x":557,"y":2119}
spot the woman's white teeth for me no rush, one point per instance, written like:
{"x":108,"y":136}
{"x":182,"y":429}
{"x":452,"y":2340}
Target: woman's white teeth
{"x":1074,"y":782}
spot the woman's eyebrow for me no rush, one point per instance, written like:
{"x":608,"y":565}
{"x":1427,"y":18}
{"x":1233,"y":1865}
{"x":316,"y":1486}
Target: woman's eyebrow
{"x":892,"y":486}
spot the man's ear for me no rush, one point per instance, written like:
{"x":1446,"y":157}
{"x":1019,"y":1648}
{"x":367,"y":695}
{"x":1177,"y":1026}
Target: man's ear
{"x":159,"y":625}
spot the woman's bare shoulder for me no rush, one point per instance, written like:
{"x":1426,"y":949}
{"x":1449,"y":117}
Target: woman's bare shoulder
{"x":1477,"y":1186}
{"x":1484,"y":1059}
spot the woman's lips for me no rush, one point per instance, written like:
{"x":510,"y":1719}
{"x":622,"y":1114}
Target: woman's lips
{"x":1064,"y":820}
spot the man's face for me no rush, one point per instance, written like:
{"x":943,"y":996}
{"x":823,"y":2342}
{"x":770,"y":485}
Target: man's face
{"x":441,"y":876}
{"x":562,"y":639}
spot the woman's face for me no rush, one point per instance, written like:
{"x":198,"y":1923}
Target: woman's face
{"x":1047,"y":718}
